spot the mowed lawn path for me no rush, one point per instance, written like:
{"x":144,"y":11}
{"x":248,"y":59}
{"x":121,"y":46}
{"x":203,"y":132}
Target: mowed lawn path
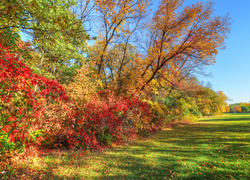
{"x":213,"y":148}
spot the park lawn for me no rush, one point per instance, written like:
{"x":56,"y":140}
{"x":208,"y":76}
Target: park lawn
{"x":213,"y":148}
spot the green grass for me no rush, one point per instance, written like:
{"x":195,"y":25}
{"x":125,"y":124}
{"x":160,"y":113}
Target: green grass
{"x":213,"y":148}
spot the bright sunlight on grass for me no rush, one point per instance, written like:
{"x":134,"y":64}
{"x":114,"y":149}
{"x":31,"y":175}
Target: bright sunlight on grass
{"x":213,"y":148}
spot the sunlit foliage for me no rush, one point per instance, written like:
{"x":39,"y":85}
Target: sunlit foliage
{"x":136,"y":76}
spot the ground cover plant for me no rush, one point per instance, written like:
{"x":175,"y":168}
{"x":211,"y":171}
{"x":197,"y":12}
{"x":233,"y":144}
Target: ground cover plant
{"x":213,"y":148}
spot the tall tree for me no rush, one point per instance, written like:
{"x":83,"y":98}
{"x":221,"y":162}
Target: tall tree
{"x":190,"y":36}
{"x":119,"y":20}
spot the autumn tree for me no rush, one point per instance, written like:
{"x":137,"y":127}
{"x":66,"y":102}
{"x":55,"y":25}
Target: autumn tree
{"x":237,"y":108}
{"x":226,"y":109}
{"x":118,"y":20}
{"x":187,"y":38}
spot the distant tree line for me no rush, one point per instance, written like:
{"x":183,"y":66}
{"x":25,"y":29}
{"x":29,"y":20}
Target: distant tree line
{"x":238,"y":107}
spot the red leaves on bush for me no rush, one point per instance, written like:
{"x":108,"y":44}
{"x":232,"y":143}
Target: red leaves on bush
{"x":6,"y":128}
{"x":34,"y":104}
{"x":24,"y":95}
{"x":11,"y":138}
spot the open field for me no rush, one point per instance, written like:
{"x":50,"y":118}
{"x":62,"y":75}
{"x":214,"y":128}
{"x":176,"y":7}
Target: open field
{"x":213,"y":148}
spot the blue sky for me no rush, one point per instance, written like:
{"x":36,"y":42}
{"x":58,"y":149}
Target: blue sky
{"x":231,"y":72}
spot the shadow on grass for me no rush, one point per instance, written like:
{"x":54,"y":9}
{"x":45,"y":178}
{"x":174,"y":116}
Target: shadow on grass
{"x":196,"y":151}
{"x":229,"y":117}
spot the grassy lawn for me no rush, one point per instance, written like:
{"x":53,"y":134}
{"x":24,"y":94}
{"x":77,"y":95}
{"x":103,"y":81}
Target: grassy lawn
{"x":213,"y":148}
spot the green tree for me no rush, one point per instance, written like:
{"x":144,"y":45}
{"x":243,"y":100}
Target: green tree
{"x":56,"y":32}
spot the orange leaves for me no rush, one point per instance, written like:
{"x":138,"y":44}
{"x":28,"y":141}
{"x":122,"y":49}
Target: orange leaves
{"x":192,"y":32}
{"x":237,"y":108}
{"x":116,"y":19}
